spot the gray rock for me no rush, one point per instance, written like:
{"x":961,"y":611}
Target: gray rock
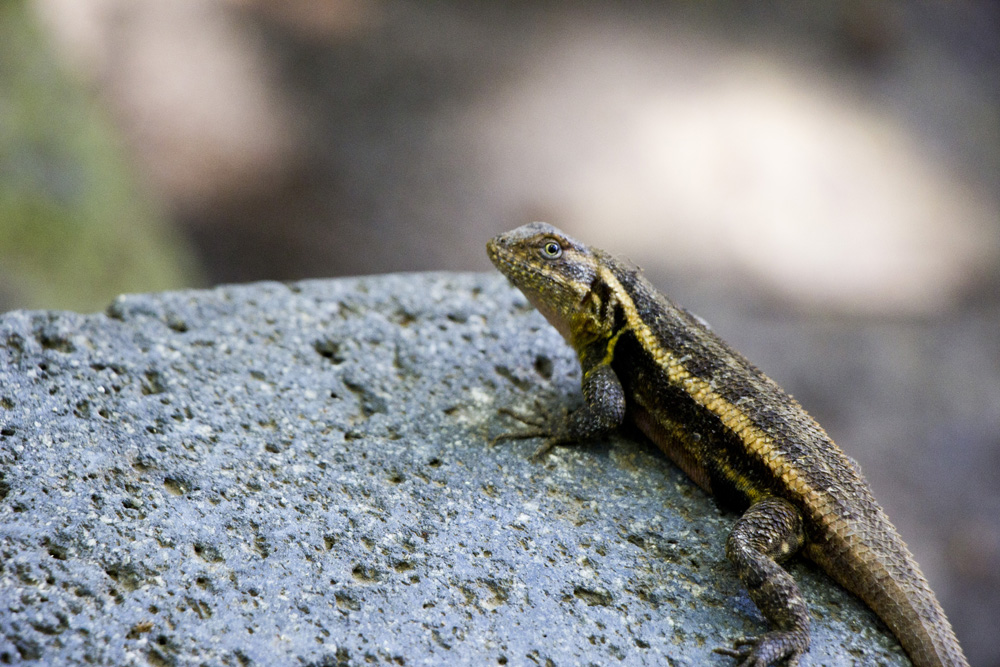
{"x":300,"y":474}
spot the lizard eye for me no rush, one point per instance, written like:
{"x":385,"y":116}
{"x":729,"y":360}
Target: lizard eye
{"x":552,"y":250}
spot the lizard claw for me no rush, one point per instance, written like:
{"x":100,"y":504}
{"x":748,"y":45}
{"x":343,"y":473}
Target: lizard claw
{"x":552,"y":438}
{"x":531,"y":419}
{"x":537,"y":432}
{"x":539,"y":454}
{"x":772,"y":648}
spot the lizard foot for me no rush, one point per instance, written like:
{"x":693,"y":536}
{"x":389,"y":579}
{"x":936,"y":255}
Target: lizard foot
{"x":540,"y":430}
{"x":772,"y":648}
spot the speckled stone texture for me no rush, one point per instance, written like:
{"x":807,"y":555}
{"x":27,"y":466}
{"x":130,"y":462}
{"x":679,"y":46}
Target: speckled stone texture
{"x":301,"y":475}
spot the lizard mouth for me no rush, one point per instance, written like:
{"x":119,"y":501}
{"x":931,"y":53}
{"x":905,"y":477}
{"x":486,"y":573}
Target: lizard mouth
{"x":502,"y":257}
{"x":505,"y":260}
{"x":493,"y":250}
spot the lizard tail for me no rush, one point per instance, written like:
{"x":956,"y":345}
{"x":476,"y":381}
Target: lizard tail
{"x":886,"y":577}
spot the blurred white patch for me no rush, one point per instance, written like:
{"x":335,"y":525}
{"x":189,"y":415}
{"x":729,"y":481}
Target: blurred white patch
{"x":649,"y":139}
{"x":683,"y":153}
{"x":192,"y":88}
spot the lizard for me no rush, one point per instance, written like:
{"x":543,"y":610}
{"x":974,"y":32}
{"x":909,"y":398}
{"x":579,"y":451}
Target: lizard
{"x":735,"y":433}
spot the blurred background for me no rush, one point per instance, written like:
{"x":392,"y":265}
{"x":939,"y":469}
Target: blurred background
{"x":821,"y":181}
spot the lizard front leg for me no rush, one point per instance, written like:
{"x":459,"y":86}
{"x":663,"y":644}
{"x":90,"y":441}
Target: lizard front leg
{"x":767,"y":534}
{"x":603,"y":411}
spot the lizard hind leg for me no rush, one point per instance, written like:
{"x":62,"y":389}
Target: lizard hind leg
{"x":769,"y":532}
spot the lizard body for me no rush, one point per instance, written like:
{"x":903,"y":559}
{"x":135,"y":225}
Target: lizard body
{"x":739,"y":437}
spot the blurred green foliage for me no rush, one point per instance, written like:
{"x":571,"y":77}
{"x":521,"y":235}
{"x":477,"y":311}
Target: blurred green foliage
{"x":76,"y":228}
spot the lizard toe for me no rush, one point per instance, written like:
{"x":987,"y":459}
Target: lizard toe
{"x":774,"y":648}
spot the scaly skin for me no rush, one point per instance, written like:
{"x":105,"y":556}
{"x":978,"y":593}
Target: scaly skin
{"x":736,"y":433}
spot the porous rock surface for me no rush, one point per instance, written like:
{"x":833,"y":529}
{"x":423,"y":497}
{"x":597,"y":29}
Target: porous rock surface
{"x":301,"y":474}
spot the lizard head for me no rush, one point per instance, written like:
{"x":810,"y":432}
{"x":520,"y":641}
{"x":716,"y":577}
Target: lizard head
{"x":555,"y":272}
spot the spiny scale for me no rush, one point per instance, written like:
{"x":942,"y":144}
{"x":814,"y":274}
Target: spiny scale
{"x":736,"y":433}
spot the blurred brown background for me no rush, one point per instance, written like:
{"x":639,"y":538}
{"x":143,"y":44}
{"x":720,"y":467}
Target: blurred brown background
{"x":821,"y":181}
